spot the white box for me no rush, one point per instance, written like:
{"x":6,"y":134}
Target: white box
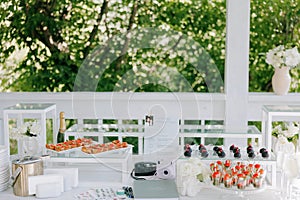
{"x":33,"y":181}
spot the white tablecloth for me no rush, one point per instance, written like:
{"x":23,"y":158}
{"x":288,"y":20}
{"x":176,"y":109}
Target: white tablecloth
{"x":204,"y":194}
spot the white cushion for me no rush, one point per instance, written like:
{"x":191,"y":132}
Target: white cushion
{"x":44,"y":191}
{"x":33,"y":181}
{"x":70,"y":176}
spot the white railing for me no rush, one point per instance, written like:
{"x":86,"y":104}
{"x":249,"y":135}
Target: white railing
{"x":134,"y":106}
{"x":111,"y":105}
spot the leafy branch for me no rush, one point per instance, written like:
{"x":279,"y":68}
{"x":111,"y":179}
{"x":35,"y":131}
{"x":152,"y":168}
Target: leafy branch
{"x":94,"y":32}
{"x":123,"y":55}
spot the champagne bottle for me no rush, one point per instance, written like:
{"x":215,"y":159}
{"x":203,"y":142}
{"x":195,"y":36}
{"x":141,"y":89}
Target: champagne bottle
{"x":62,"y":128}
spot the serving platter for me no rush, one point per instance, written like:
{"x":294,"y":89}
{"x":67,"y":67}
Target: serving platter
{"x":64,"y":151}
{"x":249,"y":190}
{"x":111,"y":151}
{"x":68,"y":146}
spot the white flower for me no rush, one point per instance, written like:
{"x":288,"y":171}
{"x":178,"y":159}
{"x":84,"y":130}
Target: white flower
{"x":35,"y":128}
{"x":189,"y":169}
{"x":275,"y":56}
{"x":277,"y":129}
{"x":280,"y":57}
{"x":282,"y":139}
{"x":291,"y":131}
{"x":292,"y":57}
{"x":286,"y":134}
{"x":25,"y":130}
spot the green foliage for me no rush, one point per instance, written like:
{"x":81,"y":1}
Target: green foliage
{"x":273,"y":23}
{"x":59,"y":35}
{"x":56,"y":38}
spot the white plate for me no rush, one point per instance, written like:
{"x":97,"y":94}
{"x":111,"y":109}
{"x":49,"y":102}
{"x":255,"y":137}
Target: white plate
{"x":4,"y":173}
{"x":4,"y":167}
{"x":4,"y":187}
{"x":4,"y":152}
{"x":110,"y":151}
{"x":3,"y":148}
{"x":4,"y":180}
{"x":4,"y":170}
{"x":4,"y":164}
{"x":3,"y":157}
{"x":4,"y":184}
{"x":4,"y":177}
{"x":65,"y":151}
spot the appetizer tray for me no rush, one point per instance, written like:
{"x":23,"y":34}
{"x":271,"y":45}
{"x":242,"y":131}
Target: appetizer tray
{"x":68,"y":146}
{"x":96,"y":148}
{"x":112,"y":151}
{"x":89,"y":147}
{"x":64,"y":151}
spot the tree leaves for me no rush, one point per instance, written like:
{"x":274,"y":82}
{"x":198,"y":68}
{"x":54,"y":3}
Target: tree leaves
{"x":61,"y":36}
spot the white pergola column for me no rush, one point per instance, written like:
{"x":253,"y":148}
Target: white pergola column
{"x":236,"y":66}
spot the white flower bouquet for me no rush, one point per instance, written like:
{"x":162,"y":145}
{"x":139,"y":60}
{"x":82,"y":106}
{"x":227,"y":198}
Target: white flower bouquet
{"x":190,"y":173}
{"x":286,"y":133}
{"x":28,"y":129}
{"x":282,"y":57}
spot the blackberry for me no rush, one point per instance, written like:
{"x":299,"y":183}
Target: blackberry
{"x":251,"y":154}
{"x":201,"y":146}
{"x":249,"y":148}
{"x":187,"y":153}
{"x":202,"y":149}
{"x":216,"y":148}
{"x":235,"y":149}
{"x":204,"y":154}
{"x":265,"y":154}
{"x":221,"y":154}
{"x":262,"y":150}
{"x":237,"y":154}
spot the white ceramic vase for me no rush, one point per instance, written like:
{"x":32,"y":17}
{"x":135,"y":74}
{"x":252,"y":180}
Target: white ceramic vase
{"x":281,"y":80}
{"x":286,"y":148}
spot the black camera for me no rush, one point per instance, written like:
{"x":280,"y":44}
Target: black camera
{"x":144,"y":169}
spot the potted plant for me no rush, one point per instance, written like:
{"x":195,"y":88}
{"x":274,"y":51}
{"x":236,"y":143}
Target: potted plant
{"x":282,"y":59}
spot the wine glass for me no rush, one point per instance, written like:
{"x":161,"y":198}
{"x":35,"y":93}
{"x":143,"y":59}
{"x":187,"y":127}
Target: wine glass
{"x":290,"y":170}
{"x":295,"y":184}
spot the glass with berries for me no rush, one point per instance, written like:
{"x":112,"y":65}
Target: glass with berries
{"x":216,"y":176}
{"x":241,"y":182}
{"x":227,"y":180}
{"x":247,"y":177}
{"x":257,"y":180}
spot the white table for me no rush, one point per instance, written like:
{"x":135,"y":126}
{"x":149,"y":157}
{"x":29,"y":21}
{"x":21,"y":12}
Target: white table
{"x":90,"y":164}
{"x":204,"y":194}
{"x":21,"y":111}
{"x":272,"y":113}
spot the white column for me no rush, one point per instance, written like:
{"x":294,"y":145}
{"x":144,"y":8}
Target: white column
{"x":236,"y":66}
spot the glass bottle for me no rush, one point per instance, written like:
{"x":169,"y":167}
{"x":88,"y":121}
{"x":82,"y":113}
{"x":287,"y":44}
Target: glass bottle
{"x":62,"y":128}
